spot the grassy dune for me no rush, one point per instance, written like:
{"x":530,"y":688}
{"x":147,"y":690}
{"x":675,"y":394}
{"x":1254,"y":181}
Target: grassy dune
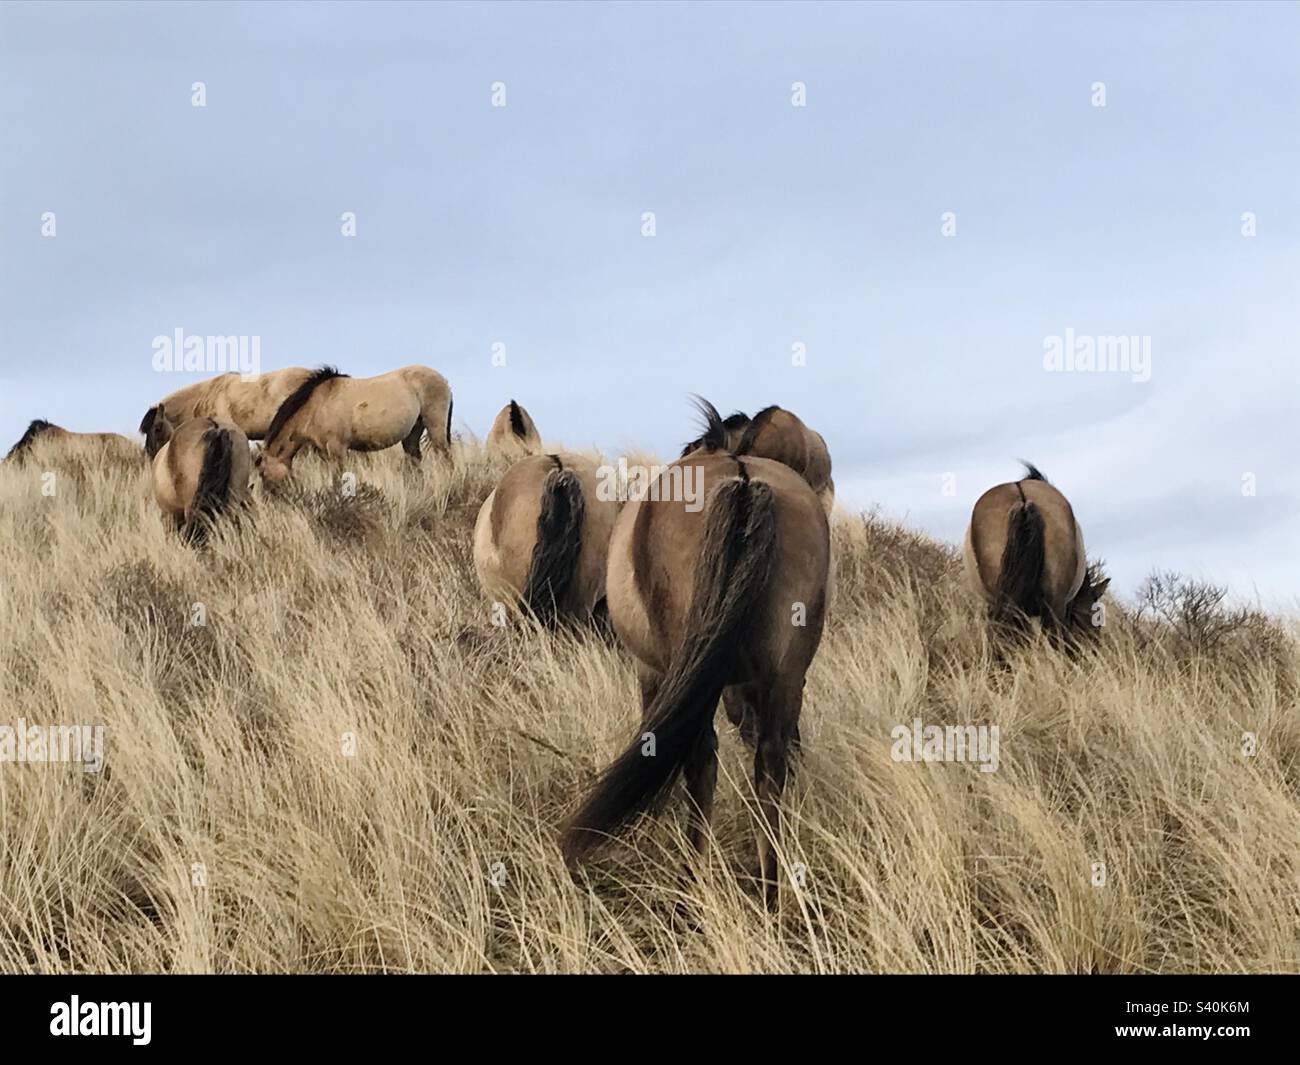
{"x":230,"y":831}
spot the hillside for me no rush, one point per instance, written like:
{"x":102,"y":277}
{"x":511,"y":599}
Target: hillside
{"x":346,"y":768}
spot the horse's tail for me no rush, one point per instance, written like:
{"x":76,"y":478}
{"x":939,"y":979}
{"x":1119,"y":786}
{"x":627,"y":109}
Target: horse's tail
{"x":213,"y":491}
{"x":731,"y":573}
{"x":1019,"y":593}
{"x":549,"y":588}
{"x":450,"y":403}
{"x":34,"y":429}
{"x":517,"y":421}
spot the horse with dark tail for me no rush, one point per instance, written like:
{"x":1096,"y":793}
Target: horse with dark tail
{"x":701,"y":597}
{"x":1024,"y":551}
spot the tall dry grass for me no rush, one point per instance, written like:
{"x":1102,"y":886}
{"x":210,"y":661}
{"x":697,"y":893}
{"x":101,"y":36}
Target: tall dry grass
{"x":230,"y":831}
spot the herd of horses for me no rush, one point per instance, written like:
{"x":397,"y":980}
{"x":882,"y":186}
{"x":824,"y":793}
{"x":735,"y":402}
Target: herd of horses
{"x":724,"y":600}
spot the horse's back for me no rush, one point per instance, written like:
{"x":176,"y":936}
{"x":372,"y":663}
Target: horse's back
{"x":120,"y":447}
{"x":192,"y":401}
{"x":55,"y":443}
{"x":782,"y":436}
{"x":251,"y":404}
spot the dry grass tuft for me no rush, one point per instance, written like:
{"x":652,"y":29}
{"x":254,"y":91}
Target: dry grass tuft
{"x":233,"y":831}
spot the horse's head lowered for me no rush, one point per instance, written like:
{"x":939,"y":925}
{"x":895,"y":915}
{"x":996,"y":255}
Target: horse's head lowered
{"x":1080,"y":612}
{"x":271,"y":468}
{"x":157,"y":430}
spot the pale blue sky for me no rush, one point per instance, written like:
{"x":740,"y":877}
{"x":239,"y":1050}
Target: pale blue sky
{"x":775,"y":225}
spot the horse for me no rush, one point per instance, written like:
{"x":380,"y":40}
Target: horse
{"x":229,"y":398}
{"x":779,"y":434}
{"x":1024,"y":553}
{"x":542,"y":537}
{"x":201,"y":471}
{"x":335,"y":413}
{"x":725,"y":596}
{"x":112,"y":446}
{"x":513,"y":433}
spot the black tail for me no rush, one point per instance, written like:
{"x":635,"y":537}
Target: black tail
{"x":34,"y":430}
{"x":450,"y":403}
{"x":1032,"y":472}
{"x":731,"y":573}
{"x":549,"y":590}
{"x":1020,"y":579}
{"x":517,"y":421}
{"x":213,"y":491}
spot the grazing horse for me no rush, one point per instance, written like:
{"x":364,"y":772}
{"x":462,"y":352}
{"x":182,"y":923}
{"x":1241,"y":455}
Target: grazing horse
{"x":542,"y":537}
{"x":724,"y":597}
{"x":513,"y":433}
{"x":201,"y":470}
{"x":108,"y":445}
{"x":334,"y":413}
{"x":1024,"y":552}
{"x":776,"y":433}
{"x":229,"y":398}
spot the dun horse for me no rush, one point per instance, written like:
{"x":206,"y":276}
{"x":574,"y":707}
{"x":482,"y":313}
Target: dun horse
{"x":41,"y":435}
{"x":1024,"y":552}
{"x":706,"y":598}
{"x":513,"y":433}
{"x":228,"y":398}
{"x":542,"y":537}
{"x":776,"y":433}
{"x":201,"y":470}
{"x":334,"y":413}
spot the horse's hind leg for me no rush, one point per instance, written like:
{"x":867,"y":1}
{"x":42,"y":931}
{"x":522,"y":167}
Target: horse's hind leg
{"x":650,"y":681}
{"x":701,"y":771}
{"x":778,"y":722}
{"x":741,"y":703}
{"x":436,"y":416}
{"x":411,"y":445}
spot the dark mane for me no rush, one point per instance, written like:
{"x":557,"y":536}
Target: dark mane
{"x":714,"y":437}
{"x":754,"y":428}
{"x":1032,"y":473}
{"x":297,"y":400}
{"x":38,"y":426}
{"x":516,"y":420}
